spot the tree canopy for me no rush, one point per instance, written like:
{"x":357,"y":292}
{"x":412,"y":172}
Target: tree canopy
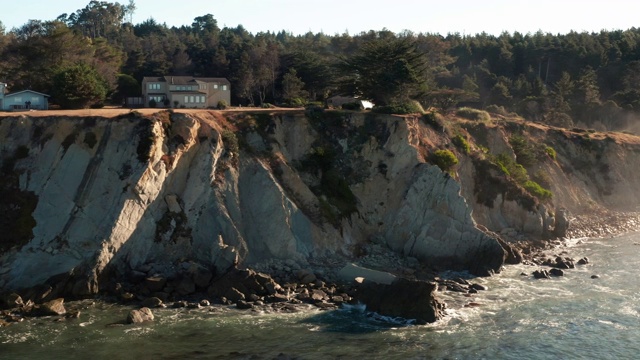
{"x":587,"y":78}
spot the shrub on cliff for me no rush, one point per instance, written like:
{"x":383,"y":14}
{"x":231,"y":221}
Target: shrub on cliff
{"x":444,"y":159}
{"x":461,"y":143}
{"x":409,"y":107}
{"x":473,"y":114}
{"x":536,"y":190}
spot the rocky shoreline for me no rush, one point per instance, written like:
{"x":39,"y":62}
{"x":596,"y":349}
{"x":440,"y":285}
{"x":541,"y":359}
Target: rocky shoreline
{"x":287,"y":286}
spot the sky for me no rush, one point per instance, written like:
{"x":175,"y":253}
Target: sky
{"x":354,"y":16}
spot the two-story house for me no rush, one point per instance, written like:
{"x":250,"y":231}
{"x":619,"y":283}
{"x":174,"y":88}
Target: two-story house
{"x":185,"y":91}
{"x":26,"y":99}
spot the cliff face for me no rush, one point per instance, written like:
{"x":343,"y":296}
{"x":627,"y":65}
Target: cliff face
{"x":94,"y":197}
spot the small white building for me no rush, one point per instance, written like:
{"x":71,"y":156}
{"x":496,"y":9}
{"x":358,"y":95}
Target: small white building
{"x":22,"y":100}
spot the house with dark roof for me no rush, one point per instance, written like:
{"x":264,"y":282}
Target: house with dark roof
{"x":185,"y":91}
{"x":22,"y":100}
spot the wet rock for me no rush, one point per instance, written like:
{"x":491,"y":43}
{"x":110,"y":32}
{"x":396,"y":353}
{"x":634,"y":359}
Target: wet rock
{"x":140,"y":316}
{"x":243,"y":305}
{"x":556,"y":272}
{"x":234,"y":295}
{"x":180,"y":304}
{"x":564,"y":263}
{"x":410,"y":299}
{"x":53,"y":307}
{"x":478,"y":287}
{"x":583,"y":261}
{"x":200,"y":275}
{"x":205,"y":303}
{"x":595,"y":276}
{"x":541,"y":274}
{"x":193,"y":305}
{"x":73,"y":315}
{"x":127,"y":296}
{"x":152,"y":302}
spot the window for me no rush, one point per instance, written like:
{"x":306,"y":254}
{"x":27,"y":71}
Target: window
{"x":35,"y":100}
{"x":202,"y":98}
{"x":157,"y":99}
{"x":17,"y":99}
{"x":192,"y":100}
{"x":197,"y":99}
{"x":203,"y":86}
{"x":186,"y":99}
{"x":224,"y":87}
{"x":154,"y":86}
{"x":215,"y":86}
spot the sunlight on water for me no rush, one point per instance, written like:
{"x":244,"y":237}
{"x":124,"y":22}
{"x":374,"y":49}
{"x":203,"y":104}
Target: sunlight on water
{"x":573,"y":317}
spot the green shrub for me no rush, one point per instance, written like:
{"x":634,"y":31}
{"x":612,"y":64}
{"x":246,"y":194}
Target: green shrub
{"x":222,"y":105}
{"x":230,"y":141}
{"x":495,"y":109}
{"x":536,"y":190}
{"x":444,"y":159}
{"x":461,"y":143}
{"x":525,"y":151}
{"x":511,"y":168}
{"x":550,"y":151}
{"x":542,"y":178}
{"x":410,"y":107}
{"x":153,"y":103}
{"x":473,"y":114}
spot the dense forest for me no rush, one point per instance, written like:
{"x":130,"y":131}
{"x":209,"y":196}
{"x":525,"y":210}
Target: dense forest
{"x":96,"y":56}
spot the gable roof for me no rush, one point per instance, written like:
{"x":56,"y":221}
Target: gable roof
{"x":24,"y":91}
{"x":185,"y":80}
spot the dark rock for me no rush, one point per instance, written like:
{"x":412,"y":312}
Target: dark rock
{"x":337,"y":299}
{"x":154,"y":283}
{"x":410,"y":299}
{"x":140,"y":316}
{"x":185,"y":287}
{"x":306,"y":276}
{"x":253,"y":297}
{"x":205,"y":303}
{"x":541,"y":274}
{"x":193,"y":305}
{"x":277,"y":298}
{"x":583,"y":261}
{"x":152,"y":302}
{"x":200,"y":275}
{"x":564,"y":263}
{"x":595,"y":276}
{"x":243,"y":305}
{"x":73,"y":314}
{"x":127,"y":296}
{"x":513,"y":255}
{"x":10,"y":301}
{"x":179,"y":304}
{"x":234,"y":295}
{"x":478,"y":287}
{"x":556,"y":272}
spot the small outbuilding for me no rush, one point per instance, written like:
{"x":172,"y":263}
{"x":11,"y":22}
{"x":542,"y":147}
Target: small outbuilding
{"x":22,"y":100}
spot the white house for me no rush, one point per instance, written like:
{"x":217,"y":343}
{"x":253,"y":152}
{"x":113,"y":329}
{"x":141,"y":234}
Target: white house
{"x":21,"y":100}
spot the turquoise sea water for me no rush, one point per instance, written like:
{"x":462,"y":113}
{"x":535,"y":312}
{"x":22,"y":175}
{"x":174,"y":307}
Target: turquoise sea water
{"x":572,"y":317}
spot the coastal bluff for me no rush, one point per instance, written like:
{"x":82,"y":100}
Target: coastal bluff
{"x":93,"y":199}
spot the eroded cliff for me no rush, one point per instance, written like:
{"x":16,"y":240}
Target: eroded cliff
{"x":92,"y":199}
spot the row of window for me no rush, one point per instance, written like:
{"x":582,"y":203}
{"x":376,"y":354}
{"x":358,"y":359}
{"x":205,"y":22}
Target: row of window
{"x":157,"y":99}
{"x":156,"y":86}
{"x":194,"y":99}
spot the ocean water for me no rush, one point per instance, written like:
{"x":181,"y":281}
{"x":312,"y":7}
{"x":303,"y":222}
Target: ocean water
{"x":571,"y":317}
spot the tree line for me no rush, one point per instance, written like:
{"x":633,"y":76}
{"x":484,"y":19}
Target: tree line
{"x":96,"y":56}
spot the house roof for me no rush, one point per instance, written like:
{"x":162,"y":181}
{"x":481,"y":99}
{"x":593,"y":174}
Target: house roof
{"x":186,"y":80}
{"x":25,"y":91}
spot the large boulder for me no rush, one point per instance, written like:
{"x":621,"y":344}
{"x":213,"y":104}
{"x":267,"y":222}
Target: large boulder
{"x":409,"y":299}
{"x":140,"y":316}
{"x":562,"y":223}
{"x":53,"y":307}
